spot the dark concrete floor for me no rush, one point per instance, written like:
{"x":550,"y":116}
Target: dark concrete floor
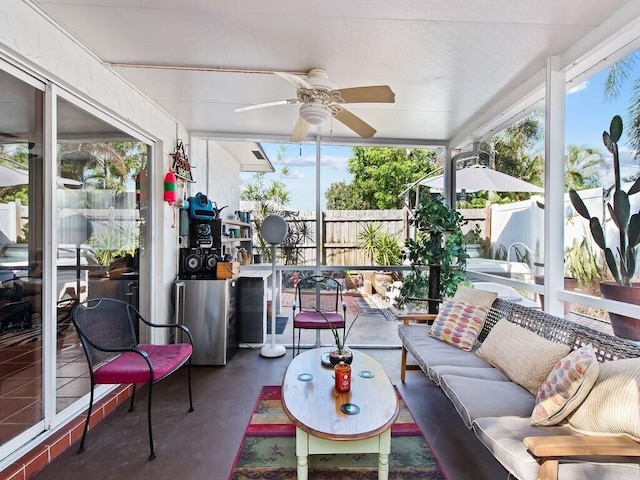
{"x":203,"y":444}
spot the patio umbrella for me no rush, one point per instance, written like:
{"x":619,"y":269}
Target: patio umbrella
{"x":479,"y":177}
{"x":11,"y":177}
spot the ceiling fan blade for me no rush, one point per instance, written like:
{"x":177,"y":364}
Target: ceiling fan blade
{"x":289,"y":101}
{"x":355,"y":123}
{"x":300,"y":130}
{"x":295,"y":79}
{"x":371,"y":94}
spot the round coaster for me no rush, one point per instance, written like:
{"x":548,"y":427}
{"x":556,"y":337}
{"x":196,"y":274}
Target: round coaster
{"x":305,"y":377}
{"x":324,"y":358}
{"x":350,"y":408}
{"x":366,"y":374}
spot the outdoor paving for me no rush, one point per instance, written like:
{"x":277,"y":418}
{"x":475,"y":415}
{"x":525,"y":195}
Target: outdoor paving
{"x":375,"y":324}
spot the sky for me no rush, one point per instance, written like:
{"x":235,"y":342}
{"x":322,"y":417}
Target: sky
{"x":587,"y":115}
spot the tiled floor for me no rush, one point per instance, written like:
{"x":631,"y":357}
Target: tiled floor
{"x":21,"y":383}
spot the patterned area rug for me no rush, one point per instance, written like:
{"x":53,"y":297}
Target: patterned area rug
{"x":268,"y":449}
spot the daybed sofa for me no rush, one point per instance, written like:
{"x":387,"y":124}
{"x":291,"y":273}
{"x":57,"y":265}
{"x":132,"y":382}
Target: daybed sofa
{"x":499,"y":410}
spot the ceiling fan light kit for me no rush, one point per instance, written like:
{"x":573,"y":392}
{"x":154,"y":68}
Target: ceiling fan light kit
{"x":321,"y":100}
{"x":315,"y":114}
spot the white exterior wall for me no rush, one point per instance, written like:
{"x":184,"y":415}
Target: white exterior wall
{"x":217,"y":175}
{"x":30,"y":41}
{"x":518,"y":222}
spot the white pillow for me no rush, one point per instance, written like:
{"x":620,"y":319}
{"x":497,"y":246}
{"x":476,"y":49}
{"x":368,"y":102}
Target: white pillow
{"x":613,"y":405}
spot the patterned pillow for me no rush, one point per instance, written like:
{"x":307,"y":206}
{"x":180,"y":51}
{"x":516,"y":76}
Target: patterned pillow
{"x":613,"y":405}
{"x":566,"y":387}
{"x":475,"y":296}
{"x":520,"y":354}
{"x":459,"y":323}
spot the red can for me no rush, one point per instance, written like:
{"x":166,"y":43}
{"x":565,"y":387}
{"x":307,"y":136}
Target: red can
{"x":343,"y":377}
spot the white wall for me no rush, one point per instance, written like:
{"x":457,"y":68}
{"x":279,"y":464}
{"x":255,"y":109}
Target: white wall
{"x":216,"y":174}
{"x":31,"y":42}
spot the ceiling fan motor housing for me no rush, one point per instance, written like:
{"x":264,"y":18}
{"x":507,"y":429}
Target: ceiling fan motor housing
{"x":315,"y":113}
{"x":318,"y":78}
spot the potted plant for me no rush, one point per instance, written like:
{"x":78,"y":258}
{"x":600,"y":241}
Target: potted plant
{"x":440,"y":245}
{"x":340,"y":353}
{"x":622,"y":263}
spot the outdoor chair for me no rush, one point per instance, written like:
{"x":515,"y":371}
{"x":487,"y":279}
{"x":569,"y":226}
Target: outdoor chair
{"x":317,"y":298}
{"x":106,"y":328}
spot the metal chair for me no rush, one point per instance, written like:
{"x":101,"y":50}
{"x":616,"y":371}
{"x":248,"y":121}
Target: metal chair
{"x":318,"y":298}
{"x":106,"y":328}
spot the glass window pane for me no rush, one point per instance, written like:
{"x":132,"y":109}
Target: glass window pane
{"x":21,"y":268}
{"x":101,"y":172}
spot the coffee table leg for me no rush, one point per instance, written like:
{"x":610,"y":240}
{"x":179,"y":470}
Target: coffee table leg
{"x":302,"y":452}
{"x":383,"y":456}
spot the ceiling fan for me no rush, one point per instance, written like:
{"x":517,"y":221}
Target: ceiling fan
{"x":321,"y":100}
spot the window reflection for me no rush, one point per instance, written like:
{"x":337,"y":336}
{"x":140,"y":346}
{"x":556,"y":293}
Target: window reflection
{"x":99,"y":228}
{"x":21,"y":242}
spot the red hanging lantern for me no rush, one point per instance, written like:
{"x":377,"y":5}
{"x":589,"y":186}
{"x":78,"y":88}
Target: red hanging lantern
{"x":170,"y":188}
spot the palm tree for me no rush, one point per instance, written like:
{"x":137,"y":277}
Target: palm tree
{"x":580,"y":167}
{"x":617,"y":76}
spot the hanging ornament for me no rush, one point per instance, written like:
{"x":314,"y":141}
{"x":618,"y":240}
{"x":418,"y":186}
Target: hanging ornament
{"x":171,"y":193}
{"x":170,"y":188}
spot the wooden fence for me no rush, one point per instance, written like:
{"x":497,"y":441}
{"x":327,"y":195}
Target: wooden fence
{"x":340,"y":230}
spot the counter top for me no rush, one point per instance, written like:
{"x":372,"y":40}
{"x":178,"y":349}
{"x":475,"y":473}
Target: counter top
{"x":248,"y":272}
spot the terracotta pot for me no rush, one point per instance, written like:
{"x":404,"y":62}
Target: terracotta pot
{"x":623,"y":326}
{"x":570,"y":283}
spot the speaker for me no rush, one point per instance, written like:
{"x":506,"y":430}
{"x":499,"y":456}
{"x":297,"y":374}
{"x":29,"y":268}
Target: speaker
{"x":191,"y":262}
{"x":200,"y":234}
{"x":210,"y":262}
{"x":197,"y":264}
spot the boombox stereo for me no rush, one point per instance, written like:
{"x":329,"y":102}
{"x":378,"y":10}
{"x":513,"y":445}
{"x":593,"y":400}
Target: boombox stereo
{"x":197,"y":264}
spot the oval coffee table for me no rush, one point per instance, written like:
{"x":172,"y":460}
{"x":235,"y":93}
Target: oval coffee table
{"x":329,"y":422}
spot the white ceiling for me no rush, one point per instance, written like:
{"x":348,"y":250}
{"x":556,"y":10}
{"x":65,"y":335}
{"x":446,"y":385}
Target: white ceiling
{"x":452,"y":64}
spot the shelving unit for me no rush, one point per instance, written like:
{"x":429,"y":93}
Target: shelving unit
{"x":225,"y":243}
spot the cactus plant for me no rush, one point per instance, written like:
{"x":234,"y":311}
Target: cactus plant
{"x":622,"y":264}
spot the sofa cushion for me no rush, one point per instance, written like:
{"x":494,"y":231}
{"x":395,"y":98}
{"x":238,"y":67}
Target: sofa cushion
{"x":503,"y":438}
{"x":613,"y":405}
{"x":428,"y":351}
{"x":567,"y":385}
{"x":476,"y":398}
{"x":523,"y":356}
{"x":459,"y":323}
{"x":483,"y":373}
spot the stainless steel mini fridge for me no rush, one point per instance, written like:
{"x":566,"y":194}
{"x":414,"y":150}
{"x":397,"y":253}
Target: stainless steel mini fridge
{"x":208,"y":309}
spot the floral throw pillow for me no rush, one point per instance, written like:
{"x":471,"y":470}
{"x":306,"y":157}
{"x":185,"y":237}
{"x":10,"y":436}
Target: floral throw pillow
{"x":459,"y":323}
{"x":567,"y":385}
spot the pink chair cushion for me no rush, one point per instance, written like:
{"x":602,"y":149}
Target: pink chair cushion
{"x":317,"y":321}
{"x":132,"y":368}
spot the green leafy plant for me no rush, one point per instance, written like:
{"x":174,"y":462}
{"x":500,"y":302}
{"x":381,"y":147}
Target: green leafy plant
{"x":381,"y":247}
{"x":475,"y":235}
{"x":388,"y":250}
{"x":622,"y":264}
{"x":415,"y":286}
{"x":368,"y":239}
{"x":581,"y":263}
{"x":440,"y":241}
{"x":340,"y":342}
